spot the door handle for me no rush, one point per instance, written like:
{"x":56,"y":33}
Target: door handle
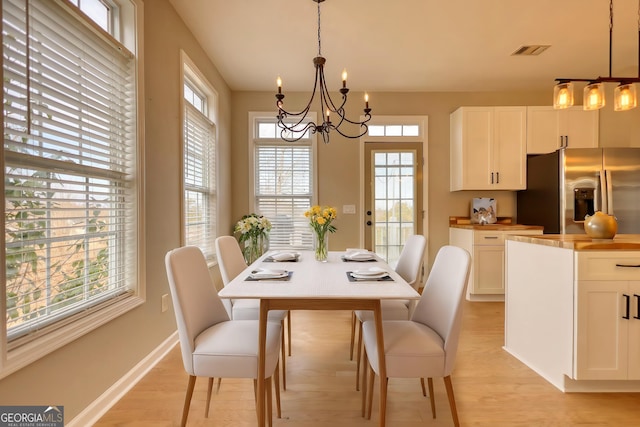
{"x":497,"y":177}
{"x":492,"y":177}
{"x":637,"y":297}
{"x":627,"y":301}
{"x":369,"y":213}
{"x":369,"y":223}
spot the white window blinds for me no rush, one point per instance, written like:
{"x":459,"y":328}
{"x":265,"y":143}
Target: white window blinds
{"x":70,"y":156}
{"x":284,"y":191}
{"x":199,"y":181}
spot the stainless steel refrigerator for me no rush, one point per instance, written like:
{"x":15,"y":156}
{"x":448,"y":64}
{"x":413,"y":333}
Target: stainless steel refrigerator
{"x":566,"y":185}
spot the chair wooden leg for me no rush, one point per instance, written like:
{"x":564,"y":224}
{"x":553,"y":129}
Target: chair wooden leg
{"x":218,"y":385}
{"x":424,"y":390}
{"x":187,"y":400}
{"x":432,"y":398}
{"x":209,"y":388}
{"x":372,"y":380}
{"x":276,"y":386}
{"x":255,"y":390}
{"x":269,"y":404}
{"x":284,"y":357}
{"x":289,"y":330}
{"x":359,"y":355}
{"x":353,"y":334}
{"x":452,"y":400}
{"x":364,"y":383}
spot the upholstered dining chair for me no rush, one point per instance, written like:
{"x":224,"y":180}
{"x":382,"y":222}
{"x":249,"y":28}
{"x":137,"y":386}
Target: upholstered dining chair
{"x":212,"y":345}
{"x":232,"y":263}
{"x":425,"y":346}
{"x":408,"y":267}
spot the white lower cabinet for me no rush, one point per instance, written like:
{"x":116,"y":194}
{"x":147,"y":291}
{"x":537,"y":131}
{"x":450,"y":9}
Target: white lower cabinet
{"x":486,"y":279}
{"x":607,"y":328}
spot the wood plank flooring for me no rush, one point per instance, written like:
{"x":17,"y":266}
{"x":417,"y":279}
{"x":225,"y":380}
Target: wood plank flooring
{"x":492,"y":387}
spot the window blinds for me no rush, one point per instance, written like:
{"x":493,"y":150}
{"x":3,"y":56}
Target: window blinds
{"x":70,"y":148}
{"x":199,"y":181}
{"x":283,"y":192}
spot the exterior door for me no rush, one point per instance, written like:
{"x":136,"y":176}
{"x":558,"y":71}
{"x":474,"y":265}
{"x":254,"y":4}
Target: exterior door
{"x":393,"y":196}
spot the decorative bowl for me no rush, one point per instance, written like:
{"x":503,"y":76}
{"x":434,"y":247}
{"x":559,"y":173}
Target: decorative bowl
{"x":600,"y":226}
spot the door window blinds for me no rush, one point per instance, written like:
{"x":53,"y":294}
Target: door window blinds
{"x":70,"y":157}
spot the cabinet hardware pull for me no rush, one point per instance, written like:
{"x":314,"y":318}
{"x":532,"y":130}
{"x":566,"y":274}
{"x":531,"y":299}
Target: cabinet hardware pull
{"x":497,"y":177}
{"x":566,"y":141}
{"x":492,"y":177}
{"x":490,"y":237}
{"x":637,"y":297}
{"x":628,"y":265}
{"x":627,"y":302}
{"x":561,"y":141}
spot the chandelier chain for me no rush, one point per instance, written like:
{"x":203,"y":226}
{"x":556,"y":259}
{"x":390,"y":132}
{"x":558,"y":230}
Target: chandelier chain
{"x":319,"y":43}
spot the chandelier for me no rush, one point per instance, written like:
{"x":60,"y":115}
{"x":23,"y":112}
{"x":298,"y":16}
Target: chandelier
{"x":625,"y":97}
{"x":294,"y":126}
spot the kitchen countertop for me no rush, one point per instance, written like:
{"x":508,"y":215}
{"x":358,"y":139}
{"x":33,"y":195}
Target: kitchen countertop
{"x":579,"y":242}
{"x":497,"y":227}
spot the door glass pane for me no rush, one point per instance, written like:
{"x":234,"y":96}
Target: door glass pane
{"x":394,"y":193}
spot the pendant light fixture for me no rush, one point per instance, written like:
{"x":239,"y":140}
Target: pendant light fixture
{"x":625,"y":96}
{"x":293,"y":126}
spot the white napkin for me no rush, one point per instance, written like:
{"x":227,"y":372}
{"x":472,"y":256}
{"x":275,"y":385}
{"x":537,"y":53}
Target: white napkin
{"x":358,"y":254}
{"x":268,"y":274}
{"x":284,"y":256}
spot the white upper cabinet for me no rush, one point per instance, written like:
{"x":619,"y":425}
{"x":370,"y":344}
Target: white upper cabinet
{"x":549,"y":130}
{"x":488,"y":148}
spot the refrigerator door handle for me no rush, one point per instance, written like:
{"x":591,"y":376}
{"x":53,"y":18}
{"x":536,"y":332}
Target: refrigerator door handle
{"x":603,"y":192}
{"x":609,"y":180}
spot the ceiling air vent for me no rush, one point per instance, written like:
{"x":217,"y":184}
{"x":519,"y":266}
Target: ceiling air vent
{"x":531,"y":50}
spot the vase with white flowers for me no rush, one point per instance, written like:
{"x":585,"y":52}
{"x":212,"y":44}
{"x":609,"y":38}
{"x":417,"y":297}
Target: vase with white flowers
{"x":253,"y":235}
{"x":320,"y":219}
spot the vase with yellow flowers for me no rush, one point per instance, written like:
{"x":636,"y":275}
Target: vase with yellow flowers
{"x":320,"y":219}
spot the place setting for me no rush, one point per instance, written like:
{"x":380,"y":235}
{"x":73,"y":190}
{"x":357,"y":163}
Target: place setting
{"x":269,"y":274}
{"x":359,"y":255}
{"x":283,"y":256}
{"x":373,"y":274}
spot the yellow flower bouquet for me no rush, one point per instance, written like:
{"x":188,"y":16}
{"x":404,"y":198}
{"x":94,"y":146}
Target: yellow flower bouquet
{"x":320,"y":219}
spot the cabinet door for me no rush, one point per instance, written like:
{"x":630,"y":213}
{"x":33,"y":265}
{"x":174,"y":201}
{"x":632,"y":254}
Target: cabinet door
{"x":580,"y":128}
{"x":477,"y":134}
{"x":488,"y":269}
{"x":601,"y":332}
{"x":634,"y":331}
{"x":509,"y":148}
{"x":543,"y":130}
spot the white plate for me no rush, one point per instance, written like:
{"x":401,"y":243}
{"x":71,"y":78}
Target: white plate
{"x":369,"y":276}
{"x":284,"y":256}
{"x":268,"y":274}
{"x":373,"y":271}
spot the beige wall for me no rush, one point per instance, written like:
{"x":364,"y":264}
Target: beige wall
{"x":338,"y":165}
{"x":80,"y":372}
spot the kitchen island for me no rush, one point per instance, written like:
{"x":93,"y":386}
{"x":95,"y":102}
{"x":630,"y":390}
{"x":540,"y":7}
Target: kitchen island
{"x":572,"y":309}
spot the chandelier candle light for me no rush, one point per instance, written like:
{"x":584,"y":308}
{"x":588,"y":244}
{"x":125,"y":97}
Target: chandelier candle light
{"x":625,"y":97}
{"x":320,"y":218}
{"x":293,"y":130}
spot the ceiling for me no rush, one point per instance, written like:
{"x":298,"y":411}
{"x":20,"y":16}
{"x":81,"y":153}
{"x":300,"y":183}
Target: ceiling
{"x":413,"y":45}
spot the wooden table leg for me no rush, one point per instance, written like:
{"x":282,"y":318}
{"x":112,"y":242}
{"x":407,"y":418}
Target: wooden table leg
{"x":377,"y":315}
{"x":262,"y":344}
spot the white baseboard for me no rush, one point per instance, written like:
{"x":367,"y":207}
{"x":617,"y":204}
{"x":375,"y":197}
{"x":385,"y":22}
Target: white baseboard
{"x":92,"y":413}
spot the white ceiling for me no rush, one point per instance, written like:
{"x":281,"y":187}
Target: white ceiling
{"x":413,"y":45}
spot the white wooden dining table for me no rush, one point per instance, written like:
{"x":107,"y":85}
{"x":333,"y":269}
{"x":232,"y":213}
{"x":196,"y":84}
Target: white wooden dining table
{"x":315,"y":285}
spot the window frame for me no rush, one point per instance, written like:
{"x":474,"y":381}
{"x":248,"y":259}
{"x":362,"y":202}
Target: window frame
{"x":191,"y":76}
{"x":22,"y":352}
{"x":255,"y":118}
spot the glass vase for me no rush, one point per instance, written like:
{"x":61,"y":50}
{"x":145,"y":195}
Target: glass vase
{"x":255,"y":247}
{"x":321,"y":246}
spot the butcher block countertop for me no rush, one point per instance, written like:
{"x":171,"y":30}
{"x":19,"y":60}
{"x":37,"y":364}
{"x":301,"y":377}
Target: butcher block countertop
{"x":503,"y":224}
{"x":582,"y":242}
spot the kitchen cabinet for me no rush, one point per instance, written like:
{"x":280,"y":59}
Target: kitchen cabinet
{"x":608,"y":316}
{"x":549,"y":130}
{"x":486,"y":278}
{"x":488,"y":148}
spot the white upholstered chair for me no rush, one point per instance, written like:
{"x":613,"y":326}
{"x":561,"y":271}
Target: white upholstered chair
{"x":212,"y":345}
{"x":425,"y":346}
{"x":231,"y":263}
{"x":408,"y":267}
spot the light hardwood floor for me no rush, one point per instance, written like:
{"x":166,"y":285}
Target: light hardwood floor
{"x":492,"y":387}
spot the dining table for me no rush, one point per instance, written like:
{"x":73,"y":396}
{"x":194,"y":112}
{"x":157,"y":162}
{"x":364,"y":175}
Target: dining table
{"x":303,"y":283}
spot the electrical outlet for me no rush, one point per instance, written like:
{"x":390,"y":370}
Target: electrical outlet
{"x":165,"y":302}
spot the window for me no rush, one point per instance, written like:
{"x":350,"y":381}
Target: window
{"x":70,"y":173}
{"x":199,"y":162}
{"x":283,"y":182}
